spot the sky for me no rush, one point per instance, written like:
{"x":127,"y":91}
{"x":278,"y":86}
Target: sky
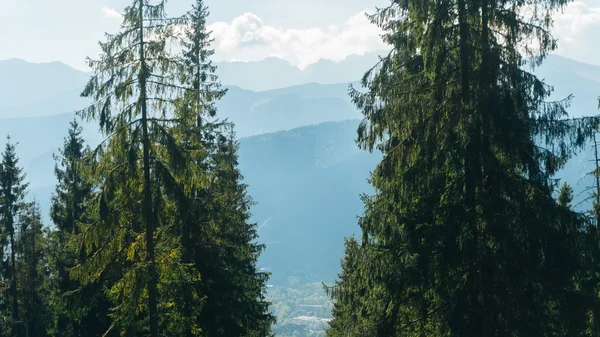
{"x":299,"y":31}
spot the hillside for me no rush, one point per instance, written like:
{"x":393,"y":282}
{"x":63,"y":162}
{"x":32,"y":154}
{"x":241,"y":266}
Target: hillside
{"x":307,"y":184}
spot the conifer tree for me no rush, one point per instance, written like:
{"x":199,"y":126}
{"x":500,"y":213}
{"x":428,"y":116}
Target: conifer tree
{"x":33,"y":297}
{"x":134,"y":88}
{"x":78,"y":311}
{"x":216,"y":235}
{"x":234,"y":287}
{"x":589,"y":280}
{"x":463,"y":236}
{"x":12,"y":192}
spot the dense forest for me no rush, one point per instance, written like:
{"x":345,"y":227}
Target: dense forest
{"x":467,"y":232}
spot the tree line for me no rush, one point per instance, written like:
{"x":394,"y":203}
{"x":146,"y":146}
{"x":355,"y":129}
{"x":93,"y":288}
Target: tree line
{"x":151,"y":232}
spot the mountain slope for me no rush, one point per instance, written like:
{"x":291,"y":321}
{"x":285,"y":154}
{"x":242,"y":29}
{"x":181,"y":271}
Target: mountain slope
{"x":24,"y":84}
{"x":57,"y":86}
{"x":307,"y":184}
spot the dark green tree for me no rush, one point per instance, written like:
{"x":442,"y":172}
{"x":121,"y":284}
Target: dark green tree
{"x":215,"y":230}
{"x":227,"y":253}
{"x":463,"y":236}
{"x":34,"y":299}
{"x":589,"y":280}
{"x":76,"y":314}
{"x":350,"y":319}
{"x":12,"y":192}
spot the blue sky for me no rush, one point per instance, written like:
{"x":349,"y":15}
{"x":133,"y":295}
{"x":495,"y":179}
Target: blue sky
{"x":300,"y":31}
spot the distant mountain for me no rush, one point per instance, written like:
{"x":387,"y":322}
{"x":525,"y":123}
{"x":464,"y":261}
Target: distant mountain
{"x":287,"y":108}
{"x":569,"y":77}
{"x":273,"y":72}
{"x":307,"y":184}
{"x":34,"y":89}
{"x":57,"y":86}
{"x":305,"y":175}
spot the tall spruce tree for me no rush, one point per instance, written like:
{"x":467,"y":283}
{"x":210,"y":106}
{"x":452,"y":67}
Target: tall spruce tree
{"x":463,"y":236}
{"x":12,"y":192}
{"x":216,"y":234}
{"x":134,"y":88}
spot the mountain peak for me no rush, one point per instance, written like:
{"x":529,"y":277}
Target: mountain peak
{"x":17,"y":61}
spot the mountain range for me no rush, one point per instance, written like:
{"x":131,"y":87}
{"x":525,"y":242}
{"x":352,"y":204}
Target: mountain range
{"x":297,"y":149}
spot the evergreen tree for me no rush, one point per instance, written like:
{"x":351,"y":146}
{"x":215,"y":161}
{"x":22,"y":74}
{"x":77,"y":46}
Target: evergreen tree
{"x":227,"y":253}
{"x":463,"y":237}
{"x":12,"y":192}
{"x":349,"y":319}
{"x":76,"y":314}
{"x":33,"y":298}
{"x":589,"y":279}
{"x":134,"y":88}
{"x":216,"y":235}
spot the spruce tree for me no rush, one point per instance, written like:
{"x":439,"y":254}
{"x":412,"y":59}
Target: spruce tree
{"x":33,"y":297}
{"x":234,"y":287}
{"x":463,"y":236}
{"x":215,"y":230}
{"x":12,"y":192}
{"x":78,"y":311}
{"x":134,"y":89}
{"x":589,"y":280}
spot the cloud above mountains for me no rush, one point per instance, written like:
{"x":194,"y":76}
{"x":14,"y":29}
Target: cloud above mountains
{"x":51,"y":34}
{"x":248,"y":38}
{"x":576,"y":28}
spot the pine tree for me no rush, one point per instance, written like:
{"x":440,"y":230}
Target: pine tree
{"x":134,"y":88}
{"x":463,"y":236}
{"x":12,"y":192}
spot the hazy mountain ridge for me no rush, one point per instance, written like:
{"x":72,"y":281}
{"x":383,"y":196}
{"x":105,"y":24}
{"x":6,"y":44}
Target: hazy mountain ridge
{"x":305,"y":179}
{"x":57,"y":86}
{"x":273,"y":72}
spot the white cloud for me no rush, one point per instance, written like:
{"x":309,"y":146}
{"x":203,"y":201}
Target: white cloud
{"x":576,"y":28}
{"x":111,"y":13}
{"x":248,"y":38}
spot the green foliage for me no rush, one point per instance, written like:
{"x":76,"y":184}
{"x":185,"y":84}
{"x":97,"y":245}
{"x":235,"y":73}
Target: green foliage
{"x":77,"y":311}
{"x":226,"y":253}
{"x":175,"y":269}
{"x":300,"y":307}
{"x":12,"y":192}
{"x":33,"y":272}
{"x":133,"y":90}
{"x":24,"y":295}
{"x":463,"y":221}
{"x":216,"y":236}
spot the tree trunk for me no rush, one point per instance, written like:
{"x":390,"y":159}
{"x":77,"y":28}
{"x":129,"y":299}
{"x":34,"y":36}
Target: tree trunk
{"x":147,"y":209}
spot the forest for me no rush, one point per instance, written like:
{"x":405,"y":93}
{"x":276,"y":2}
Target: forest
{"x":467,"y":231}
